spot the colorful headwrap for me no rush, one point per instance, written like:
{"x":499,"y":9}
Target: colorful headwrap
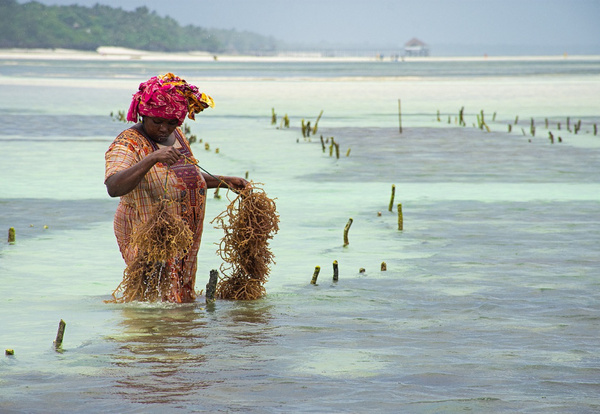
{"x":170,"y":97}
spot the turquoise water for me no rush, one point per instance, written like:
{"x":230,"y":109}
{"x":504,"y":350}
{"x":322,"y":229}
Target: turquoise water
{"x":490,"y":298}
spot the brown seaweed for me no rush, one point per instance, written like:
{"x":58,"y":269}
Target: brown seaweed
{"x":163,"y":238}
{"x":249,"y":222}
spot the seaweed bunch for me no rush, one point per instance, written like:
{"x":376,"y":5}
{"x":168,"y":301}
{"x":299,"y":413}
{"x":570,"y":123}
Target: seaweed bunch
{"x":249,"y":222}
{"x":159,"y":242}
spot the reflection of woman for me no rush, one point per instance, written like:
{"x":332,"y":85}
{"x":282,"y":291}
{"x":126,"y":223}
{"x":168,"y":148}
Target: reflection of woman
{"x":153,"y":160}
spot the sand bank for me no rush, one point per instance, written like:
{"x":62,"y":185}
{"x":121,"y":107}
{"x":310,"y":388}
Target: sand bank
{"x":118,"y":53}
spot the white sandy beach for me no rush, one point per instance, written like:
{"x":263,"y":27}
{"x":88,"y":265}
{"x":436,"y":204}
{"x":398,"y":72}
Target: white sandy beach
{"x":107,"y":53}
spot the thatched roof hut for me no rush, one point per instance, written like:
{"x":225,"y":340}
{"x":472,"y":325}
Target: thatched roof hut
{"x":415,"y":47}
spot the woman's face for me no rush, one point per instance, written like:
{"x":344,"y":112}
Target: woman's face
{"x":159,"y":129}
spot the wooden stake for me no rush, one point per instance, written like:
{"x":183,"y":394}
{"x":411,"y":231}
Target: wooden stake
{"x":314,"y":131}
{"x":335,"y":271}
{"x":211,"y":286}
{"x":11,"y":235}
{"x":60,"y":334}
{"x":322,"y":144}
{"x":399,"y":116}
{"x":400,"y":218}
{"x":391,"y":206}
{"x":315,"y":275}
{"x":383,"y":266}
{"x":346,"y":229}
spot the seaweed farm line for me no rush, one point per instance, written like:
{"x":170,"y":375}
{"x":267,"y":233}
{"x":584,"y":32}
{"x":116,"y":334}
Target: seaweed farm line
{"x":449,"y":267}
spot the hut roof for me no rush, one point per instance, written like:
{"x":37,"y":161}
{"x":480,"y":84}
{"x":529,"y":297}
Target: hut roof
{"x":415,"y":42}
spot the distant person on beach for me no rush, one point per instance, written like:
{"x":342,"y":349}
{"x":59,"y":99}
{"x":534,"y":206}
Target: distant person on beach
{"x":151,"y":161}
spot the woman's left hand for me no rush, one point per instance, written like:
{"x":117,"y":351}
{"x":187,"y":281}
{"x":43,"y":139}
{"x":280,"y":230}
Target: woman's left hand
{"x":236,"y":182}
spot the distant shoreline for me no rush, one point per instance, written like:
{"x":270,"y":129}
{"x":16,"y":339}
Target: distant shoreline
{"x":117,"y":53}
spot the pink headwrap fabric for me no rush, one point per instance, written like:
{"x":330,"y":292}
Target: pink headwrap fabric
{"x":169,"y":97}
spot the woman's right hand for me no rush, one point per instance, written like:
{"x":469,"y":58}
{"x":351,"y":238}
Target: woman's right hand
{"x":166,"y":155}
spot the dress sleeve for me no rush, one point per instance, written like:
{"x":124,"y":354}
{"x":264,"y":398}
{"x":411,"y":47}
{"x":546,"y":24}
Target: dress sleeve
{"x":122,"y":154}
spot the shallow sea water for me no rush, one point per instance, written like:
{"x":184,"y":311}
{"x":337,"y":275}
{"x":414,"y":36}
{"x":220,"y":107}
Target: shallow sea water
{"x":490,"y":298}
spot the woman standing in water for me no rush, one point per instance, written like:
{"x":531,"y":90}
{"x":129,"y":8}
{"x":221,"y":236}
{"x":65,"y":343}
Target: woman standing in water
{"x":152,"y":161}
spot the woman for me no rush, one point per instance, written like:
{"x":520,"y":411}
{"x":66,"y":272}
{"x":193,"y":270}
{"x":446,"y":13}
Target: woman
{"x":151,"y":161}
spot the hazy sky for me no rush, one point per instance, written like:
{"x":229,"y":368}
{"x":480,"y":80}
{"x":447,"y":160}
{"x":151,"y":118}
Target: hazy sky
{"x":555,"y":26}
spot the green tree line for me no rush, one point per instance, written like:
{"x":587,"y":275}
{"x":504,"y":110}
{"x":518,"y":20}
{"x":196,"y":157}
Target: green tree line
{"x":35,"y":25}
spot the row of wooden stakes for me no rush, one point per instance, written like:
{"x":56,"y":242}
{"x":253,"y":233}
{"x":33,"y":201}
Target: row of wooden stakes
{"x":315,"y":275}
{"x":347,"y":242}
{"x":481,"y":124}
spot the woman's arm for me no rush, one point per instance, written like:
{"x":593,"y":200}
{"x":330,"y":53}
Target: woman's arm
{"x":124,"y":181}
{"x":233,"y":182}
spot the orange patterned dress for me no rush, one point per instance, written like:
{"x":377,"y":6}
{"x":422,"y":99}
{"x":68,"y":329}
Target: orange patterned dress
{"x":182,"y":182}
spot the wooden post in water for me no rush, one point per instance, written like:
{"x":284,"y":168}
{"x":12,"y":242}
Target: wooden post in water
{"x":399,"y":116}
{"x":335,"y":271}
{"x":315,"y":275}
{"x":60,"y":334}
{"x":346,"y":229}
{"x":322,"y":144}
{"x":314,"y":131}
{"x":211,"y":286}
{"x":383,"y":266}
{"x":11,"y":235}
{"x":400,"y":218}
{"x":391,"y":206}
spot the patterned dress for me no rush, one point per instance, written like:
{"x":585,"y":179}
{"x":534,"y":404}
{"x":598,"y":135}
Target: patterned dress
{"x":182,"y":182}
